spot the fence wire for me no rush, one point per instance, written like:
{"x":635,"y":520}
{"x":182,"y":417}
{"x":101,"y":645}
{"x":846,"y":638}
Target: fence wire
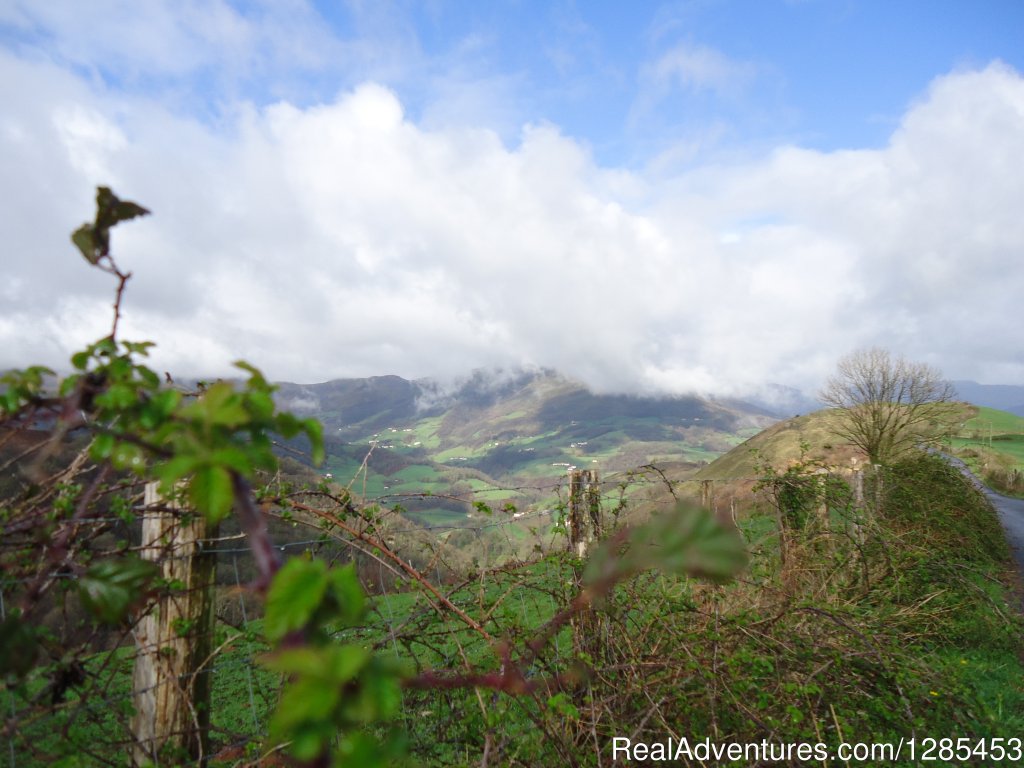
{"x":84,"y":697}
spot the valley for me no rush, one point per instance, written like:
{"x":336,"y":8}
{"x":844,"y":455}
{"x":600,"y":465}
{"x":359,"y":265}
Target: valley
{"x":504,"y":440}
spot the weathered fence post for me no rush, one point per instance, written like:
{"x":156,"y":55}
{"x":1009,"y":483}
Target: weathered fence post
{"x":585,"y":522}
{"x":824,"y":513}
{"x":858,"y":505}
{"x":174,"y":639}
{"x":585,"y":527}
{"x":707,"y":494}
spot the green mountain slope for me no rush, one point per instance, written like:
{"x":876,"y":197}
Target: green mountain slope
{"x":494,"y":434}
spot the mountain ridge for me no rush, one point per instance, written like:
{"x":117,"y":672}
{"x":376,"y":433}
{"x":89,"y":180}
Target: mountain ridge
{"x":514,"y":430}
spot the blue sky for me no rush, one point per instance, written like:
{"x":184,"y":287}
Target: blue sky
{"x":626,"y":78}
{"x":742,"y":191}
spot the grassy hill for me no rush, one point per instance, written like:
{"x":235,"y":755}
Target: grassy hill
{"x":992,"y":443}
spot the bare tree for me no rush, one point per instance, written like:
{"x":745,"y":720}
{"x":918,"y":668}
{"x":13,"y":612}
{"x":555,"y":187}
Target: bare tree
{"x":886,"y":404}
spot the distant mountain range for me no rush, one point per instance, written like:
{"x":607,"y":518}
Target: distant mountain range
{"x":496,"y":431}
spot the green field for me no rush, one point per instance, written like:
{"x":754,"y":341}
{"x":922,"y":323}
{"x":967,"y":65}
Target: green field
{"x":992,"y":445}
{"x":931,"y":634}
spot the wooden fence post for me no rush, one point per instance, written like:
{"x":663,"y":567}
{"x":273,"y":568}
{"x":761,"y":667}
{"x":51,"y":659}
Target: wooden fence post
{"x":707,"y":494}
{"x":585,"y":521}
{"x":174,"y":639}
{"x":858,"y":504}
{"x":585,"y":527}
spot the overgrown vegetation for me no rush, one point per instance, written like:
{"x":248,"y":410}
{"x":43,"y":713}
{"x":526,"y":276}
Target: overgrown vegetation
{"x":847,"y":607}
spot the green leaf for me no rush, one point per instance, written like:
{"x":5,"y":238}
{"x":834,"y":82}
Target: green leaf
{"x":315,"y":432}
{"x":309,"y":741}
{"x":111,"y":587}
{"x":234,"y":458}
{"x":287,"y":425}
{"x":211,"y":492}
{"x":138,"y":347}
{"x":102,"y":446}
{"x":295,"y":593}
{"x":348,"y":593}
{"x":256,"y":378}
{"x":128,"y":456}
{"x":219,"y":405}
{"x":106,"y":347}
{"x":365,"y":750}
{"x":334,"y":664}
{"x":260,"y":405}
{"x":157,"y":409}
{"x":85,"y":241}
{"x":174,"y":470}
{"x":148,"y":377}
{"x":68,"y":385}
{"x":110,"y":209}
{"x":117,"y":397}
{"x":125,"y":210}
{"x":688,"y":541}
{"x":379,"y":696}
{"x":304,"y":701}
{"x":295,"y":661}
{"x":562,"y":704}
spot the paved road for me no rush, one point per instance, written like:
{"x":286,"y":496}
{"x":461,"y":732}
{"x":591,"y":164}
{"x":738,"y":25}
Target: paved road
{"x":1011,"y":515}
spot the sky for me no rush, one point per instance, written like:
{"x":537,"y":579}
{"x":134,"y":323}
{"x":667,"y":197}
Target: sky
{"x":704,"y":196}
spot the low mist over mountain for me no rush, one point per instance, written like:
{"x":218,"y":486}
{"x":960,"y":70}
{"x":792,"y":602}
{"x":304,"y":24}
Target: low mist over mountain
{"x":499,"y":430}
{"x":500,"y":410}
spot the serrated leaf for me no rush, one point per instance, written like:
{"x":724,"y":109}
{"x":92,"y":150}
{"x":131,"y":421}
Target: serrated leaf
{"x":111,"y":587}
{"x":110,"y":209}
{"x":125,"y":210}
{"x":295,"y":593}
{"x":211,"y":492}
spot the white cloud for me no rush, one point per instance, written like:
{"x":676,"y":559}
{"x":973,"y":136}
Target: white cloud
{"x":698,"y":68}
{"x":345,"y":238}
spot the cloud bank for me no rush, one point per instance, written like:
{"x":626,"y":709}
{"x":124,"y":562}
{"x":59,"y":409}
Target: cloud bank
{"x":345,"y":238}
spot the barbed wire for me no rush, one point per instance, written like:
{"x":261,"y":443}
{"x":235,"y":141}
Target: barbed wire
{"x":391,"y":624}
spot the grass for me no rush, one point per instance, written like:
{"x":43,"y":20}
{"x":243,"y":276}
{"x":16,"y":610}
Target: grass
{"x":999,"y":422}
{"x":898,"y":627}
{"x":992,"y":445}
